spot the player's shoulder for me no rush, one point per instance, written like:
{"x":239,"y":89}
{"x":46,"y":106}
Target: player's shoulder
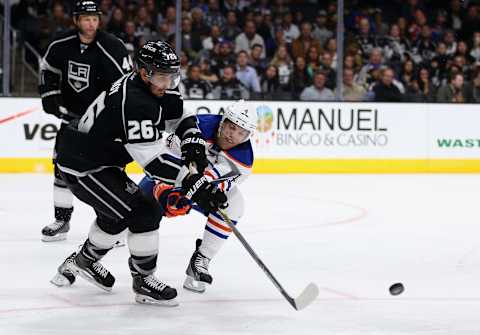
{"x":242,"y":154}
{"x":62,"y":38}
{"x":208,"y":125}
{"x":110,"y":41}
{"x":138,"y":102}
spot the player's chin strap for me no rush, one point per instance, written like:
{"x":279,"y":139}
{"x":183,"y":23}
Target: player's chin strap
{"x":308,"y":295}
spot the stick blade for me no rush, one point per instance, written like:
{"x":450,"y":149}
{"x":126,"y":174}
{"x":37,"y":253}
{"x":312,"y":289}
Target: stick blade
{"x":308,"y":295}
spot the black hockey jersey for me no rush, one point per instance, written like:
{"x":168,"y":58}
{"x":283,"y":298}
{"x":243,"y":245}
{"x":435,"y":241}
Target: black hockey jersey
{"x":124,"y":124}
{"x":80,"y":72}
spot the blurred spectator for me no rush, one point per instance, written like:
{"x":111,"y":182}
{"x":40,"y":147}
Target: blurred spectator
{"x":116,"y":25}
{"x":365,"y":77}
{"x":455,"y":14}
{"x":143,"y":24}
{"x":326,"y":67}
{"x":214,"y":38}
{"x":206,"y":72}
{"x":155,"y":16}
{"x":304,"y":42}
{"x":184,"y":64}
{"x":313,"y":61}
{"x":351,"y":90}
{"x":454,"y":91}
{"x":256,"y":60}
{"x":224,"y":57}
{"x":421,"y":89}
{"x":380,"y":28}
{"x":290,"y":30}
{"x":331,"y":48}
{"x":425,"y":47}
{"x":300,"y":78}
{"x":193,"y":87}
{"x":263,"y":28}
{"x":450,"y":42}
{"x":54,"y":25}
{"x":320,"y":31}
{"x":471,"y":22}
{"x":395,"y":47}
{"x":169,"y":20}
{"x":247,"y":74}
{"x":385,"y":90}
{"x":248,"y":38}
{"x":408,"y":73}
{"x":474,"y":87}
{"x":214,"y":16}
{"x":129,"y":37}
{"x":198,"y":23}
{"x":282,"y":61}
{"x":229,"y":87}
{"x":270,"y":85}
{"x":191,"y":41}
{"x":317,"y":91}
{"x":365,"y":38}
{"x":231,"y":29}
{"x":475,"y":52}
{"x":106,"y":7}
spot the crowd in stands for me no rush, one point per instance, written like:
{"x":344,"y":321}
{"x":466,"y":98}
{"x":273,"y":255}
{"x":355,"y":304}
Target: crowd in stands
{"x":396,"y":50}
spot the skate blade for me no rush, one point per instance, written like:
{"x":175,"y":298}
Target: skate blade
{"x":193,"y":285}
{"x":85,"y":275}
{"x":145,"y":299}
{"x":60,"y":281}
{"x":58,"y":237}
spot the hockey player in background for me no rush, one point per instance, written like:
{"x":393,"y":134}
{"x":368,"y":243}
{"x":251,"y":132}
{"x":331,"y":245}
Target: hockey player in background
{"x":230,"y":160}
{"x":77,"y":66}
{"x":123,"y":124}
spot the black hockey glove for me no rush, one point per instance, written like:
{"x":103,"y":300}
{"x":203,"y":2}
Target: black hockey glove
{"x":194,"y":150}
{"x":207,"y":196}
{"x":52,"y":104}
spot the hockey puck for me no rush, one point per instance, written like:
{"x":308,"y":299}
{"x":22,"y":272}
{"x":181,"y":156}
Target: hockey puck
{"x":396,"y":289}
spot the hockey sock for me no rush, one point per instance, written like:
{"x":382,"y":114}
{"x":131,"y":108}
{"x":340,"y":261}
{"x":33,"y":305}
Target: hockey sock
{"x":143,"y":249}
{"x":62,"y":200}
{"x":92,"y":251}
{"x":215,"y":234}
{"x":102,"y":239}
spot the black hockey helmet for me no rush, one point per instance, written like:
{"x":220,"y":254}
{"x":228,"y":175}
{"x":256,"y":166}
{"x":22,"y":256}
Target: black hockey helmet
{"x":86,"y":7}
{"x":161,"y":62}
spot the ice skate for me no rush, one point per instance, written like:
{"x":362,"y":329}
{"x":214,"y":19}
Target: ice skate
{"x":65,"y":275}
{"x":56,"y":231}
{"x":197,"y":271}
{"x":92,"y":271}
{"x":150,"y":290}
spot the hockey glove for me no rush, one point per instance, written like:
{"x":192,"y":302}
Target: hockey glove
{"x":173,"y":202}
{"x":52,"y":104}
{"x":194,"y":150}
{"x":207,"y":196}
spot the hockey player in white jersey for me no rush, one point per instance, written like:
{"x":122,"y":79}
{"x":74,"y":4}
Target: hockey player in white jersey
{"x":230,"y":157}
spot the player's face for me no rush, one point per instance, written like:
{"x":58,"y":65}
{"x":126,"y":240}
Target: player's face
{"x":231,"y":135}
{"x":88,"y":25}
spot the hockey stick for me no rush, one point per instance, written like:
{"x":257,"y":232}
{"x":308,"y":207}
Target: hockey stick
{"x":309,"y":293}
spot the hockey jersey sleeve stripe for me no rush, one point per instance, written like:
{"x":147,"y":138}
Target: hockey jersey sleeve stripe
{"x":111,"y":58}
{"x":237,"y":161}
{"x":45,"y":66}
{"x":47,"y":94}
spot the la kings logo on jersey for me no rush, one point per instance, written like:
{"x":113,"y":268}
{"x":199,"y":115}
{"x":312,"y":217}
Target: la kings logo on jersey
{"x":78,"y":75}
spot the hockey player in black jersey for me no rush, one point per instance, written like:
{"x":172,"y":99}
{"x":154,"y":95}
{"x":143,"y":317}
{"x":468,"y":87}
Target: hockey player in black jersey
{"x":123,"y":124}
{"x":77,"y":66}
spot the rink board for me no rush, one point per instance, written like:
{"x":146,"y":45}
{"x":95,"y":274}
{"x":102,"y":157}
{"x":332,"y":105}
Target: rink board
{"x":296,"y":137}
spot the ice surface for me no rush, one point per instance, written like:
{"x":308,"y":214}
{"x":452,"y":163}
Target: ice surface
{"x":353,"y":235}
